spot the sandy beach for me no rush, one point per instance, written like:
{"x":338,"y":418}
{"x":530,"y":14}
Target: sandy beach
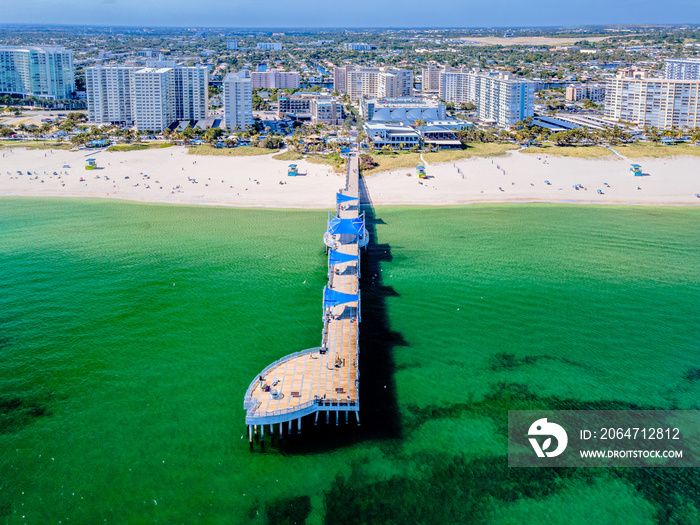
{"x":170,"y":175}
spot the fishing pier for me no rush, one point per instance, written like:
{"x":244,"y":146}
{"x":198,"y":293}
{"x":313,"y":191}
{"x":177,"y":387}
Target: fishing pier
{"x":325,"y":378}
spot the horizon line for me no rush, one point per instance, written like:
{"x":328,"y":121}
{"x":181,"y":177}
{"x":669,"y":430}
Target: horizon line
{"x":365,"y":28}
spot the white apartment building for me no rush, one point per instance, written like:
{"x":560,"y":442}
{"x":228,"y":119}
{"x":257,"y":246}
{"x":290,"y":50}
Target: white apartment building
{"x":340,"y":74}
{"x":683,"y":68}
{"x":501,"y":98}
{"x":114,"y":96}
{"x":372,"y":82}
{"x":191,"y":92}
{"x":109,"y":94}
{"x":275,"y":79}
{"x":404,"y":78}
{"x":232,"y":44}
{"x":356,"y":46}
{"x":430,"y":78}
{"x":458,"y":86}
{"x":653,"y":102}
{"x":238,"y":101}
{"x":43,"y":72}
{"x":269,"y":46}
{"x":504,"y":99}
{"x":153,"y":98}
{"x":592,"y":92}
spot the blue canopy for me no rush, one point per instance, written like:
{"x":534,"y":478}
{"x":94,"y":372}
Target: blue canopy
{"x":333,"y":298}
{"x":345,"y":226}
{"x":335,"y":257}
{"x":339,"y":197}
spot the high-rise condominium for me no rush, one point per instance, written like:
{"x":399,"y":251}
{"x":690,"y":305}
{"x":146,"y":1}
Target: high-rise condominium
{"x":656,"y":102}
{"x":148,"y":97}
{"x":154,"y":98}
{"x":372,"y":82}
{"x":501,"y":98}
{"x":683,"y":68}
{"x":275,"y":79}
{"x":109,"y":94}
{"x":238,"y":101}
{"x":43,"y":72}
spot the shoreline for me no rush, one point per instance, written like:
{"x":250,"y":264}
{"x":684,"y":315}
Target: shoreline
{"x":172,"y":176}
{"x":408,"y":204}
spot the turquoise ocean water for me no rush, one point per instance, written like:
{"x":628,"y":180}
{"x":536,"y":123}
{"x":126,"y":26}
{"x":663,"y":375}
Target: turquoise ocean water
{"x":130,"y":332}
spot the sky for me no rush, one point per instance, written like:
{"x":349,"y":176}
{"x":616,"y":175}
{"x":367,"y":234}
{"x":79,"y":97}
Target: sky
{"x":354,"y":13}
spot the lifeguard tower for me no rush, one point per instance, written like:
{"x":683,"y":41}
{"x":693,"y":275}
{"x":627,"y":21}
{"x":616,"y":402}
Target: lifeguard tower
{"x":636,"y":170}
{"x":421,"y":172}
{"x":292,"y":170}
{"x":91,"y":164}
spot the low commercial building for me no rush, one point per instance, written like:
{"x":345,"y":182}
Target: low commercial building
{"x":278,"y":125}
{"x":442,"y":134}
{"x":269,"y":46}
{"x":325,"y":110}
{"x":348,"y":46}
{"x":147,"y":53}
{"x":401,"y":109}
{"x":396,"y":136}
{"x":296,"y":107}
{"x":406,"y":122}
{"x":569,"y":121}
{"x":310,"y":107}
{"x":399,"y":135}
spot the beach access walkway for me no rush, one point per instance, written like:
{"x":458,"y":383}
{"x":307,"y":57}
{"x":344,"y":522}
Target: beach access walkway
{"x":325,"y":378}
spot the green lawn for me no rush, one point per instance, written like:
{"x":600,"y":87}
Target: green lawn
{"x":389,"y":161}
{"x":588,"y":152}
{"x":474,"y":149}
{"x":288,"y":155}
{"x":35,"y":145}
{"x":139,"y":146}
{"x":649,"y":149}
{"x":332,"y":159}
{"x":241,"y":151}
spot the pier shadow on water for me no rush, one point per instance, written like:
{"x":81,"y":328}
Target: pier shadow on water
{"x":379,"y":410}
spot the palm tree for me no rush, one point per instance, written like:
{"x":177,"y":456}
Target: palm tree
{"x":188,"y":133}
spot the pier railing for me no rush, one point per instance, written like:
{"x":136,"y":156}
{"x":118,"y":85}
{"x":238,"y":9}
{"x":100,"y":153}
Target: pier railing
{"x":249,"y":401}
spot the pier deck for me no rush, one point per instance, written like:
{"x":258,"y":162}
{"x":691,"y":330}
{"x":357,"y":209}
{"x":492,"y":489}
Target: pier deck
{"x":325,"y":378}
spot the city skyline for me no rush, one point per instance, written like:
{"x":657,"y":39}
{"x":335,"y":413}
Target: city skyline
{"x":315,"y":14}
